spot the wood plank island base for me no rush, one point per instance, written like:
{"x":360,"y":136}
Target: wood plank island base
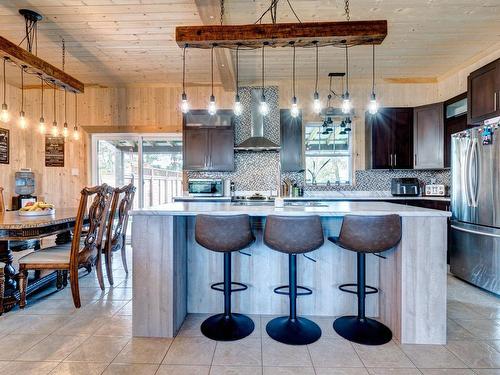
{"x":172,"y":274}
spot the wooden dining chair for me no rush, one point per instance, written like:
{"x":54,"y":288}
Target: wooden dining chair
{"x":116,"y":231}
{"x":2,"y":202}
{"x":2,"y":286}
{"x":80,"y":253}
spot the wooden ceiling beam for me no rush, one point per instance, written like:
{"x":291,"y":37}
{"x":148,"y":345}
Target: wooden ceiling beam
{"x":281,"y":34}
{"x":39,"y":66}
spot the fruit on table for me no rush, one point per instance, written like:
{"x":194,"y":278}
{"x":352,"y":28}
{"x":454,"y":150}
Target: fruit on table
{"x":37,"y":206}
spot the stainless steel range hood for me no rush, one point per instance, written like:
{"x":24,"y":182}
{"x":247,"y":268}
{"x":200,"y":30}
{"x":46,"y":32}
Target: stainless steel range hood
{"x":257,"y":141}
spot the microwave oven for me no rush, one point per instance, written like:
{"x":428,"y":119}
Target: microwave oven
{"x":206,"y":187}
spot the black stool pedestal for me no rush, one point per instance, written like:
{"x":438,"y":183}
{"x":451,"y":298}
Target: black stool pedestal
{"x":230,"y":327}
{"x":362,"y":331}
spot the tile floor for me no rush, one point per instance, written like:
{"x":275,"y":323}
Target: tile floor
{"x":52,"y":337}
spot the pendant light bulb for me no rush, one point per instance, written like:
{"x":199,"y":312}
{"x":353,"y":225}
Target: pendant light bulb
{"x":263,"y":106}
{"x":23,"y":122}
{"x":237,"y":107}
{"x":5,"y":115}
{"x":346,"y":103}
{"x":212,"y":108}
{"x":41,"y":126}
{"x":184,"y":103}
{"x":54,"y":131}
{"x":316,"y":104}
{"x":373,"y":105}
{"x":76,"y":133}
{"x":65,"y":130}
{"x":294,"y":111}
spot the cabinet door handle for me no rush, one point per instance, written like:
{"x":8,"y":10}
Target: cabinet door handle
{"x":416,"y":159}
{"x":495,"y":100}
{"x":390,"y":160}
{"x":395,"y":160}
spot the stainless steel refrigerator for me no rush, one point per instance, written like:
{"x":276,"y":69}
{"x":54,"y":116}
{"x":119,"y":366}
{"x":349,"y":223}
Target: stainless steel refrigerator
{"x":475,"y":202}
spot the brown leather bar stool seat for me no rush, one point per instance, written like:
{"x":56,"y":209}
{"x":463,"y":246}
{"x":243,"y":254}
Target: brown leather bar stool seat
{"x":225,"y":234}
{"x":293,"y":235}
{"x":365,"y":235}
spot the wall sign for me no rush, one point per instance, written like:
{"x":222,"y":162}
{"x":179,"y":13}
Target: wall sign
{"x":54,"y":151}
{"x":4,"y":146}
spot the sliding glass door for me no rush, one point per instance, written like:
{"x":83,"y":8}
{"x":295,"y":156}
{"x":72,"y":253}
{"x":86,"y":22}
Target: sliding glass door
{"x":153,"y":163}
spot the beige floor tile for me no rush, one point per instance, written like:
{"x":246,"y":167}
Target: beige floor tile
{"x":103,"y":307}
{"x":494,"y":343}
{"x":387,"y":356}
{"x":83,"y":324}
{"x":119,"y":294}
{"x":86,"y":294}
{"x":116,"y":326}
{"x":144,"y":350}
{"x":482,"y":328}
{"x":236,"y":370}
{"x":190,"y":351}
{"x":288,"y":370}
{"x":51,"y":307}
{"x":98,"y":349}
{"x":475,"y":354}
{"x":340,"y":371}
{"x":450,"y":371}
{"x":277,"y":354}
{"x":494,"y":371}
{"x":27,"y":368}
{"x":393,"y":371}
{"x":432,"y":356}
{"x":183,"y":370}
{"x":130,"y":369}
{"x":126,"y":310}
{"x":489,"y":310}
{"x":246,"y":352}
{"x":326,"y":325}
{"x":33,"y":324}
{"x":334,"y":353}
{"x":191,"y":325}
{"x":79,"y":368}
{"x":454,"y":331}
{"x":53,"y":348}
{"x":458,"y":310}
{"x":12,"y":346}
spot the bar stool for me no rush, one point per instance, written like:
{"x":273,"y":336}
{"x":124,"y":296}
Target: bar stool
{"x":293,"y":235}
{"x":225,"y":234}
{"x":365,"y":235}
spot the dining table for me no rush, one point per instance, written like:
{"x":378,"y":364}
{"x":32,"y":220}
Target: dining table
{"x":18,"y":233}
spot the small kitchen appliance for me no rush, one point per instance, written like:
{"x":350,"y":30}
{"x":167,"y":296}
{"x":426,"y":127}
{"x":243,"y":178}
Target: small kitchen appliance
{"x":435,"y":190}
{"x":206,"y":187}
{"x":406,"y":186}
{"x":25,"y":187}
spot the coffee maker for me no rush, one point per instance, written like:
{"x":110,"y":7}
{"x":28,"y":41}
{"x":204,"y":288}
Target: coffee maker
{"x":25,"y":187}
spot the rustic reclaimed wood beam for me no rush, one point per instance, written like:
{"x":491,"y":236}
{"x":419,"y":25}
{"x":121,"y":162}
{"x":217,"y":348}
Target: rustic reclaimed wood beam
{"x":39,"y":66}
{"x":281,"y":34}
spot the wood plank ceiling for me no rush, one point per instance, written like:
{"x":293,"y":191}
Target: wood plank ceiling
{"x":118,"y":42}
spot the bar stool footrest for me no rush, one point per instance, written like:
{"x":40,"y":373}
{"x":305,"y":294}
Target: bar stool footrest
{"x":217,"y":287}
{"x":368,"y":289}
{"x":280,"y":290}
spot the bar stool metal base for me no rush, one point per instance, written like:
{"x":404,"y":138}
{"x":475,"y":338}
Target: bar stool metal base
{"x":362,"y":331}
{"x":231,"y":327}
{"x":300,"y":331}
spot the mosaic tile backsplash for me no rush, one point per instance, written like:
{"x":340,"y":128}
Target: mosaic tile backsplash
{"x":258,"y":171}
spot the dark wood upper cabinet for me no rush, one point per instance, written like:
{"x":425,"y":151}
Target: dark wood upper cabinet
{"x":428,"y":136}
{"x":390,"y":138}
{"x":292,"y":142}
{"x":208,"y":145}
{"x":483,"y":88}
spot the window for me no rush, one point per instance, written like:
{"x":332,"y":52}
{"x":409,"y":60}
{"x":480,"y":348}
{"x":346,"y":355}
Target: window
{"x":328,"y":156}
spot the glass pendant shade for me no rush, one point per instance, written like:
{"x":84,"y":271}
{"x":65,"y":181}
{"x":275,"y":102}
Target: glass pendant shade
{"x":184,"y":103}
{"x":76,"y":133}
{"x":5,"y":115}
{"x":23,"y":122}
{"x":237,"y":107}
{"x":65,"y":130}
{"x":263,"y":106}
{"x":41,"y":126}
{"x":316,"y":104}
{"x":54,"y":131}
{"x":212,"y":108}
{"x":373,"y":105}
{"x":294,"y":111}
{"x":346,"y":104}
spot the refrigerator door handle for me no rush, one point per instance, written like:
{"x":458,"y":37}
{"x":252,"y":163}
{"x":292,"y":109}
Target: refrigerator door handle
{"x":462,"y":229}
{"x":466,"y":174}
{"x":473,"y":163}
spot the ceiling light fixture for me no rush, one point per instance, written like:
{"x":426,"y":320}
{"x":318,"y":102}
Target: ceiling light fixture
{"x":4,"y":115}
{"x":65,"y":126}
{"x":212,"y":108}
{"x":373,"y":105}
{"x":346,"y":99}
{"x":263,"y":106}
{"x":237,"y":107}
{"x":41,"y":124}
{"x":23,"y":123}
{"x":294,"y":111}
{"x":184,"y":100}
{"x":76,"y":134}
{"x":316,"y":101}
{"x":55,"y":131}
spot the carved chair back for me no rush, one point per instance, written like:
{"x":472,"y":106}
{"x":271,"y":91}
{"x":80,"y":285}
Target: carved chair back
{"x":123,"y":199}
{"x":98,"y":200}
{"x":2,"y":203}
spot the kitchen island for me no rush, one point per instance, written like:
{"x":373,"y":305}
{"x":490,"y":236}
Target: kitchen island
{"x":172,"y":273}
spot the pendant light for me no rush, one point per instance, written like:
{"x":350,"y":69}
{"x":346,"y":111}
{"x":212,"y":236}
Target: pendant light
{"x":41,"y":124}
{"x":263,"y":106}
{"x":23,"y":123}
{"x":184,"y":101}
{"x":4,"y":115}
{"x":373,"y":105}
{"x":237,"y":107}
{"x":294,"y":110}
{"x":65,"y":126}
{"x":346,"y":99}
{"x":54,"y":131}
{"x":316,"y":101}
{"x":212,"y":108}
{"x":76,"y":134}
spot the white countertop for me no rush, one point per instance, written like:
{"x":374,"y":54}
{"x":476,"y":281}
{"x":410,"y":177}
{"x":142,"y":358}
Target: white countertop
{"x":327,"y":209}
